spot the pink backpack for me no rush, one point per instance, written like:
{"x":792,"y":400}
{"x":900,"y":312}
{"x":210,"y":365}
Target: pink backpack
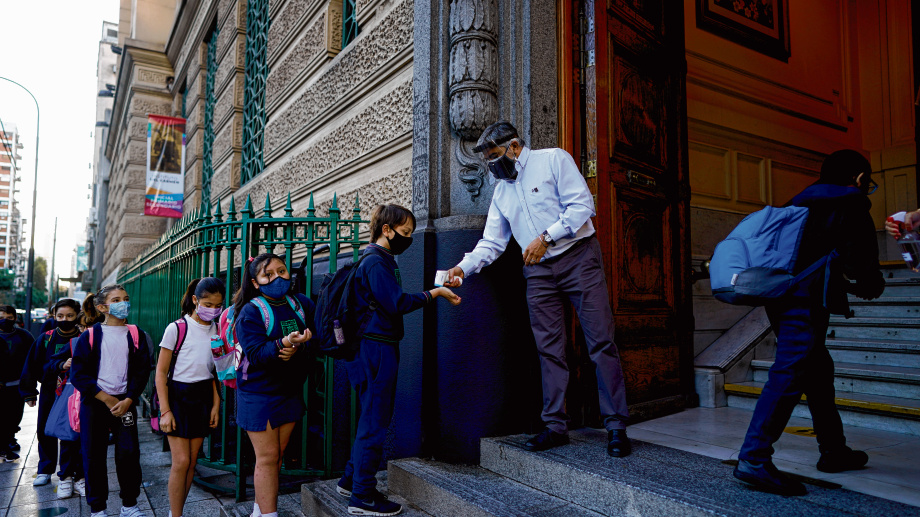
{"x":73,"y":403}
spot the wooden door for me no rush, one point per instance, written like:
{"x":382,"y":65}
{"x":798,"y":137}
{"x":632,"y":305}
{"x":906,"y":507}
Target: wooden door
{"x":629,"y":126}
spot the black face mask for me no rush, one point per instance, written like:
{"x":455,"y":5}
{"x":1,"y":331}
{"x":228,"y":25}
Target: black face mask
{"x":6,"y":325}
{"x":66,"y":326}
{"x":503,"y":168}
{"x":399,"y":243}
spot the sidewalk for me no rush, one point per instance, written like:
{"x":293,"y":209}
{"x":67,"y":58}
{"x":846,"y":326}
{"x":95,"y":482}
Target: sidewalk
{"x":893,"y":471}
{"x":18,"y":498}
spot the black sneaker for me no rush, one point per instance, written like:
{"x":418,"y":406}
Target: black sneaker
{"x":845,"y":459}
{"x":546,"y":440}
{"x":8,"y":456}
{"x":618,"y":444}
{"x":374,"y":504}
{"x":766,"y":477}
{"x":344,"y":487}
{"x":14,"y":445}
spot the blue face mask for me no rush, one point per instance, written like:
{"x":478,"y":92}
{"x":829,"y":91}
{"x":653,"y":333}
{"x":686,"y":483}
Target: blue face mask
{"x":120,"y":310}
{"x":277,"y":288}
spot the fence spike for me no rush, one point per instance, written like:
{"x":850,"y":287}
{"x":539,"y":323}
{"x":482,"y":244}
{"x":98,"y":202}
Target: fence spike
{"x":288,"y":209}
{"x":247,"y":212}
{"x":206,"y":209}
{"x":335,"y":203}
{"x":218,"y":216}
{"x":267,"y":211}
{"x":357,"y":209}
{"x":231,"y":213}
{"x":310,"y":210}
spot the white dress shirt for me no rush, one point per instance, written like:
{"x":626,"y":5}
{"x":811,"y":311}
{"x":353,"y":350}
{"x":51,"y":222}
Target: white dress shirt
{"x":548,"y":194}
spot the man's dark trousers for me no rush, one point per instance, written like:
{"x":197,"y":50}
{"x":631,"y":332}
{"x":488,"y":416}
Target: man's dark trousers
{"x":12,"y":408}
{"x":373,"y":375}
{"x":576,"y":275}
{"x":802,"y":365}
{"x":71,"y":460}
{"x":95,"y":423}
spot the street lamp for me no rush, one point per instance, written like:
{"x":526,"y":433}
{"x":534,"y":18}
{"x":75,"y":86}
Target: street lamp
{"x":31,"y":274}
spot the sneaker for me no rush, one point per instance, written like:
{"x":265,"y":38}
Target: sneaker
{"x":79,"y":486}
{"x":344,"y":487}
{"x":14,"y":445}
{"x":375,"y":504}
{"x":65,"y":488}
{"x":845,"y":459}
{"x":42,"y":480}
{"x":131,"y":511}
{"x":546,"y":440}
{"x":8,"y":456}
{"x":98,"y":514}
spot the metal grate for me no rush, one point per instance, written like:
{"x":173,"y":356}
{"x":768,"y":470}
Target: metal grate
{"x":207,"y":146}
{"x":257,"y":22}
{"x":349,"y":22}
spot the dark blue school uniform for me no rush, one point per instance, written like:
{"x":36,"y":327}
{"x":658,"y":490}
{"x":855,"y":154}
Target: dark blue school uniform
{"x":96,"y":420}
{"x":838,"y":219}
{"x":270,"y":390}
{"x":42,"y":366}
{"x":374,"y":369}
{"x":14,"y":349}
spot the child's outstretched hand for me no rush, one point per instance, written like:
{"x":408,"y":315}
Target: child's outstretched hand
{"x":447,"y":294}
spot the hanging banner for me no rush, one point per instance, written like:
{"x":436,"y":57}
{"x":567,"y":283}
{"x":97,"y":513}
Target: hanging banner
{"x":165,"y":166}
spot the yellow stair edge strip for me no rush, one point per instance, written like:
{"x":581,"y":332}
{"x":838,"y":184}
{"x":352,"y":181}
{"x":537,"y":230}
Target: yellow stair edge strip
{"x":842,"y":402}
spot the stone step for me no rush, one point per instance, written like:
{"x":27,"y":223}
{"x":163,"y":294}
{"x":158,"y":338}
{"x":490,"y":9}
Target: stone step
{"x":467,"y":491}
{"x":871,"y":379}
{"x":894,"y":307}
{"x":899,"y":288}
{"x":866,"y":351}
{"x":656,"y":480}
{"x":899,"y":415}
{"x":878,"y":329}
{"x":319,"y":499}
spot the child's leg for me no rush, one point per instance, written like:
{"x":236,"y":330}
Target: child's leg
{"x":194,"y":448}
{"x":127,"y":458}
{"x":267,"y":446}
{"x":381,"y":363}
{"x":71,"y":462}
{"x":94,"y":443}
{"x":47,"y":445}
{"x":178,"y":473}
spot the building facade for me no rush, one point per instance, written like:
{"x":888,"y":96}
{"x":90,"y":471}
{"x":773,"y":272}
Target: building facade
{"x":11,"y":256}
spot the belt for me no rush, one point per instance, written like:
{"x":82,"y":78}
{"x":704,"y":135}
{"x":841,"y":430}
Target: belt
{"x":579,"y":243}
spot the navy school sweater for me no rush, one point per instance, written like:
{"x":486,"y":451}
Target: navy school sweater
{"x":267,"y":373}
{"x":378,"y":280}
{"x":41,"y":367}
{"x":14,"y":349}
{"x":84,"y":370}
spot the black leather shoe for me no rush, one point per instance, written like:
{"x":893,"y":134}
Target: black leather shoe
{"x":846,"y":459}
{"x":546,"y":440}
{"x":766,"y":477}
{"x":618,"y":444}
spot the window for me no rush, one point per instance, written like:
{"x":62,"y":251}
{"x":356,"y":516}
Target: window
{"x":112,"y":33}
{"x":349,"y":22}
{"x":254,"y":89}
{"x":207,"y":165}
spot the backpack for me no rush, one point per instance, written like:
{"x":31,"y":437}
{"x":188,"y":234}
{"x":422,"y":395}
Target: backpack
{"x":73,"y":402}
{"x":181,"y":333}
{"x":336,"y":304}
{"x":753,"y":265}
{"x":229,"y":358}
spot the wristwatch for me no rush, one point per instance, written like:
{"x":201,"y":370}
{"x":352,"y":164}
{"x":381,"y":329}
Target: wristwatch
{"x":547,"y":240}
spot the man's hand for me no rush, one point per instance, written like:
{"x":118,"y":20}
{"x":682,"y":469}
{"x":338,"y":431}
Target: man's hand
{"x":534,"y":252}
{"x":454,"y":277}
{"x":122,"y":407}
{"x":911,"y":221}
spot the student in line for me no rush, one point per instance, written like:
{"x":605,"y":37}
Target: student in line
{"x":14,"y":348}
{"x":43,"y":367}
{"x":373,"y":371}
{"x":110,"y":370}
{"x":187,"y":390}
{"x":269,"y":395}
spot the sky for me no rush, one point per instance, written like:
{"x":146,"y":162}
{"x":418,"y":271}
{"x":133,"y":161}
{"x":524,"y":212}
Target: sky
{"x":50,"y":47}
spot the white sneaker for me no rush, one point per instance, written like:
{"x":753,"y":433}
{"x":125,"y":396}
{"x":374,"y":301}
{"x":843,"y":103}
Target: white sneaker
{"x":42,"y":480}
{"x":80,"y":487}
{"x":131,"y":511}
{"x":65,"y":488}
{"x":98,"y":514}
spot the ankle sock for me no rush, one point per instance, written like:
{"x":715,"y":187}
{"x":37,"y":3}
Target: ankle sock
{"x":272,"y":514}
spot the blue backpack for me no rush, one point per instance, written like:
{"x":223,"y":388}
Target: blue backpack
{"x":754,"y":264}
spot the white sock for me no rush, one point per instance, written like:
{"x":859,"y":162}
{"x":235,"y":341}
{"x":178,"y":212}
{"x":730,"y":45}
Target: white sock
{"x":255,"y":510}
{"x":272,"y":514}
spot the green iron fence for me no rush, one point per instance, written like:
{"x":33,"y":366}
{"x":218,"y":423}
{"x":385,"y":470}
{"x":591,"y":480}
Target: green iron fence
{"x":205,"y":244}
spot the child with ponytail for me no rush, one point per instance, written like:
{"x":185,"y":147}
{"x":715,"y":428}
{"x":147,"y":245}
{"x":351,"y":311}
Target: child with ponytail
{"x":186,"y":387}
{"x":269,"y":398}
{"x":111,"y":367}
{"x":43,"y":366}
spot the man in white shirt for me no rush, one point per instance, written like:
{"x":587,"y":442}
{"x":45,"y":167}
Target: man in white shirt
{"x":542,"y":200}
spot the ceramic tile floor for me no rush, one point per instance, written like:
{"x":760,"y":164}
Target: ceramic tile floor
{"x":893,"y":471}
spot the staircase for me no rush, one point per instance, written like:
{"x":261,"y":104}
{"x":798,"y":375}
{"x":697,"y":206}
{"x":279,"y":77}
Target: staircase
{"x":580,"y":480}
{"x":876,"y":357}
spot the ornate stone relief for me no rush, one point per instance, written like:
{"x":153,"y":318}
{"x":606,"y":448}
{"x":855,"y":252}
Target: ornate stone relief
{"x":472,"y":82}
{"x":309,"y":45}
{"x":395,"y":188}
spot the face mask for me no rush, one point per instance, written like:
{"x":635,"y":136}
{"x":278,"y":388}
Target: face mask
{"x":66,"y":326}
{"x":399,"y":243}
{"x":502,"y":168}
{"x":277,"y":288}
{"x":6,"y":325}
{"x":120,"y":310}
{"x":207,"y":313}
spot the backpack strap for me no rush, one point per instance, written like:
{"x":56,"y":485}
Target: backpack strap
{"x":134,"y":336}
{"x":90,"y":337}
{"x":297,"y":308}
{"x":268,"y":317}
{"x":181,"y":332}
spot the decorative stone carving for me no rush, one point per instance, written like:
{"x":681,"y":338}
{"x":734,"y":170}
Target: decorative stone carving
{"x":284,"y":23}
{"x":360,"y":61}
{"x":472,"y":82}
{"x":334,"y":28}
{"x":395,"y":188}
{"x":308,"y":47}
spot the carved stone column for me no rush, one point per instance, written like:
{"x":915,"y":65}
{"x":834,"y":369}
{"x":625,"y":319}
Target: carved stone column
{"x":472,"y":82}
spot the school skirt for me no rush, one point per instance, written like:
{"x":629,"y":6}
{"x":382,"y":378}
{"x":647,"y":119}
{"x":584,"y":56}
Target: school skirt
{"x":254,"y":410}
{"x":191,"y":405}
